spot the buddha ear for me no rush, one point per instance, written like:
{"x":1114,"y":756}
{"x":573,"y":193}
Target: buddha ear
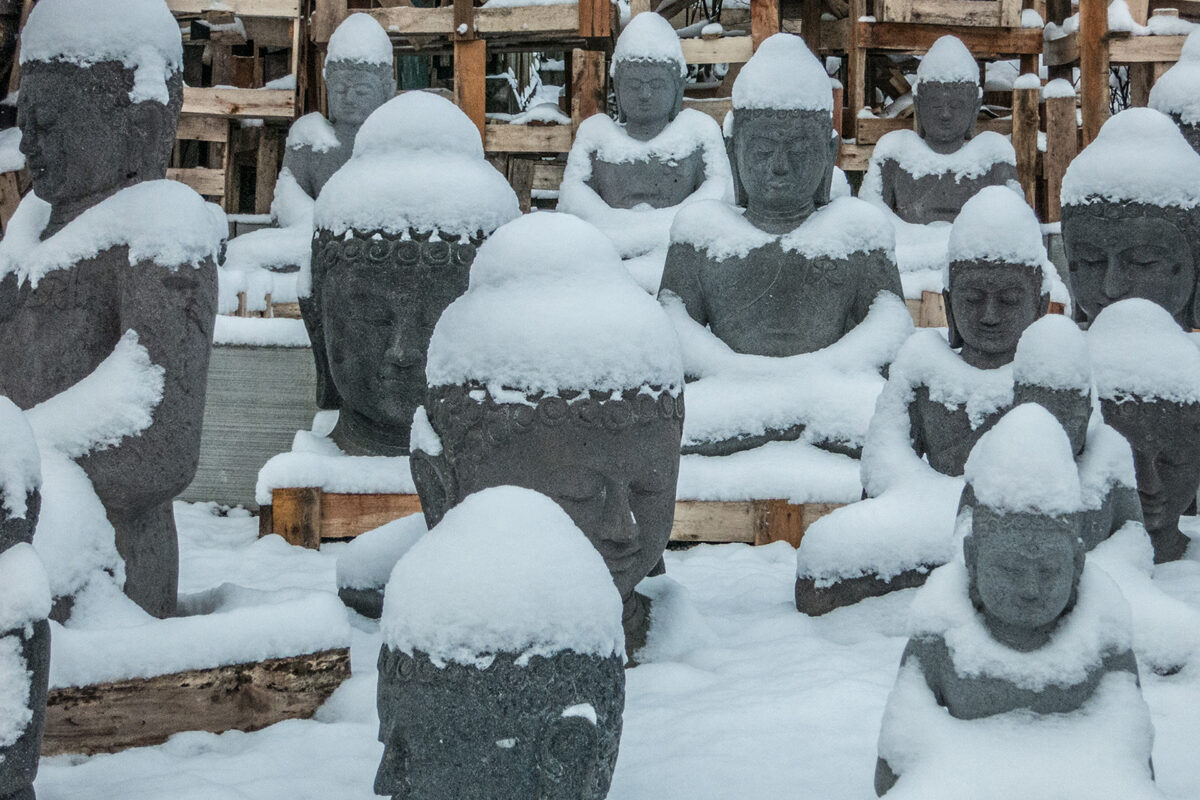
{"x":951,"y":329}
{"x":680,"y":87}
{"x":435,"y":484}
{"x":975,"y":115}
{"x":731,"y":150}
{"x":1043,"y":305}
{"x":831,"y":154}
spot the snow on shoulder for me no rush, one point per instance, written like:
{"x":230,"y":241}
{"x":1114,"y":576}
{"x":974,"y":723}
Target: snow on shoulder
{"x":506,"y":571}
{"x":314,"y":132}
{"x":648,"y":37}
{"x":1024,"y":464}
{"x":783,"y":75}
{"x":141,"y":34}
{"x":1139,"y":351}
{"x":359,"y":40}
{"x":550,"y":307}
{"x":20,"y":464}
{"x":997,"y":225}
{"x":1053,"y":353}
{"x":417,"y":164}
{"x":841,"y":228}
{"x":948,"y":61}
{"x":1140,"y":157}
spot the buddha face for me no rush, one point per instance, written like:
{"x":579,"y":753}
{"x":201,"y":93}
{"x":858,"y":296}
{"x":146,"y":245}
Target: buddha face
{"x":355,"y":90}
{"x":1072,"y":409}
{"x":946,"y":113}
{"x":649,"y":95}
{"x":1115,"y":255}
{"x":547,"y":730}
{"x":783,"y":158}
{"x":990,"y":306}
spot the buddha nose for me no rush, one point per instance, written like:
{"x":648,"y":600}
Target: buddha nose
{"x":1149,"y":482}
{"x":621,"y":526}
{"x":779,"y":163}
{"x":1115,"y":279}
{"x":991,"y":311}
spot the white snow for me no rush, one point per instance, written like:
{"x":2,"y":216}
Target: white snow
{"x":15,"y":713}
{"x":74,"y":538}
{"x":1031,"y":19}
{"x":20,"y":463}
{"x":977,"y":155}
{"x":423,"y":437}
{"x":1139,"y":156}
{"x":1106,"y":463}
{"x":24,"y":588}
{"x":1191,"y":48}
{"x":997,"y":225}
{"x":1178,"y":90}
{"x":11,"y":157}
{"x":843,"y":227}
{"x":1028,"y":80}
{"x":948,"y":61}
{"x":1139,"y":351}
{"x":418,"y":120}
{"x":783,"y":74}
{"x":1059,"y":87}
{"x":368,"y":560}
{"x":542,"y":113}
{"x":314,"y":131}
{"x":254,"y":332}
{"x":141,"y":34}
{"x":505,"y":571}
{"x":359,"y":40}
{"x":1053,"y":352}
{"x":549,"y":308}
{"x":648,"y":37}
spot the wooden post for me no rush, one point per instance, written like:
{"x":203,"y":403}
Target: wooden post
{"x":464,"y":19}
{"x":265,"y":171}
{"x":1062,"y":142}
{"x":1025,"y":138}
{"x":327,"y":15}
{"x":766,"y":19}
{"x":810,"y":25}
{"x":856,"y":69}
{"x":520,"y":176}
{"x":587,"y":85}
{"x":595,"y":19}
{"x":1093,"y":66}
{"x":296,"y":515}
{"x":470,"y":77}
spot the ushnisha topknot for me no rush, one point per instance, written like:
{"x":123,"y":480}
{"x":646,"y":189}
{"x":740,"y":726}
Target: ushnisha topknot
{"x":997,"y":225}
{"x":783,"y":75}
{"x":1139,"y":352}
{"x":648,"y":37}
{"x":359,"y":40}
{"x":948,"y":61}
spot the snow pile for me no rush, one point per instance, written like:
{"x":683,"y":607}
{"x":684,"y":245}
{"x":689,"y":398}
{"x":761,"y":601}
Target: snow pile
{"x":163,"y":222}
{"x":1140,"y":156}
{"x":417,"y":164}
{"x":15,"y":714}
{"x":648,"y":37}
{"x":676,"y":626}
{"x":843,"y":227}
{"x":1024,"y":464}
{"x":718,"y":229}
{"x":1058,"y":88}
{"x":998,"y":225}
{"x":20,"y":470}
{"x":506,"y":571}
{"x":1053,"y":352}
{"x":11,"y":157}
{"x":1178,"y":90}
{"x":313,"y":131}
{"x":24,"y":589}
{"x":368,"y":560}
{"x":1138,"y":351}
{"x":797,"y":472}
{"x":948,"y":61}
{"x":1105,"y":464}
{"x":359,"y":40}
{"x":783,"y":74}
{"x":255,"y":332}
{"x":141,"y":34}
{"x":973,"y":160}
{"x":549,"y":307}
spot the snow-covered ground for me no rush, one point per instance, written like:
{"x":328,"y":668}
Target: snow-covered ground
{"x":764,"y":702}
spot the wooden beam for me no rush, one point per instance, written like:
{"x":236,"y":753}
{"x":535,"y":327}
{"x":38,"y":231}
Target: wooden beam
{"x":1144,"y":49}
{"x":463,"y":20}
{"x":982,"y":42}
{"x":977,"y":13}
{"x":595,"y":19}
{"x":1062,"y":142}
{"x":296,"y":516}
{"x":240,"y":103}
{"x":344,"y":516}
{"x":1061,"y":52}
{"x":266,"y":168}
{"x":854,"y":157}
{"x":405,"y":21}
{"x":326,"y":16}
{"x":202,"y":129}
{"x":587,"y":85}
{"x":1025,"y":138}
{"x":502,"y":138}
{"x":1093,"y":66}
{"x":766,"y":19}
{"x":242,"y":8}
{"x":726,"y":50}
{"x":700,"y":521}
{"x":204,"y":180}
{"x":856,"y":69}
{"x":470,"y":76}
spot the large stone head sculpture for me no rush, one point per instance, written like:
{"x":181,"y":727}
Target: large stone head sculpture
{"x":783,"y":142}
{"x":1147,"y":374}
{"x":1177,"y":92}
{"x":648,"y":74}
{"x":1052,"y":368}
{"x":1022,"y":548}
{"x":501,"y":671}
{"x":947,"y":95}
{"x":1131,"y":217}
{"x":97,"y":108}
{"x":557,"y":373}
{"x":359,"y":72}
{"x":396,"y":233}
{"x":998,"y":276}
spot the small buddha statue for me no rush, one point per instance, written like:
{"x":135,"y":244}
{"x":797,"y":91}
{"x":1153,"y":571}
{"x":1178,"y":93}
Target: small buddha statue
{"x":1147,"y":374}
{"x":24,"y":605}
{"x":775,"y":279}
{"x":927,"y":175}
{"x":630,"y":177}
{"x":503,"y":682}
{"x":584,"y":405}
{"x":105,"y":248}
{"x":1134,"y":237}
{"x":394,"y":244}
{"x":1176,"y":92}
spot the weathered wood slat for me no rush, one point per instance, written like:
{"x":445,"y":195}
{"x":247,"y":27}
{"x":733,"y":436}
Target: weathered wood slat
{"x":345,"y":516}
{"x":728,"y":49}
{"x":240,"y":103}
{"x":999,"y":13}
{"x":206,"y":181}
{"x":404,"y":21}
{"x":1144,"y":49}
{"x":203,"y":129}
{"x":242,"y":8}
{"x":981,"y":41}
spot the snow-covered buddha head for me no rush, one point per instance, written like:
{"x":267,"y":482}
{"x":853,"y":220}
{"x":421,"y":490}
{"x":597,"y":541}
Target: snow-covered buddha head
{"x":359,"y":73}
{"x":998,"y":276}
{"x":648,"y":73}
{"x":97,"y":113}
{"x":947,"y":95}
{"x":1177,"y":92}
{"x":397,"y":228}
{"x":501,"y":672}
{"x":783,"y":142}
{"x":1147,"y":374}
{"x":557,"y":373}
{"x":1022,"y":548}
{"x":1131,"y":217}
{"x":1052,"y":368}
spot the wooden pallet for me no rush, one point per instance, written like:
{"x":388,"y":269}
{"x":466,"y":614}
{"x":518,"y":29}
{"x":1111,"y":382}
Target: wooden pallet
{"x":994,"y":13}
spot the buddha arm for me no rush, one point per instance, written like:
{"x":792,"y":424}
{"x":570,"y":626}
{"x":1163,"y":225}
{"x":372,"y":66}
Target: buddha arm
{"x":894,"y":446}
{"x":885,"y":776}
{"x":681,"y":275}
{"x":878,"y":274}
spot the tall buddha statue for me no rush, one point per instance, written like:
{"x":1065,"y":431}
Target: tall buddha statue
{"x":104,"y":248}
{"x":1177,"y":92}
{"x":1131,"y":217}
{"x":631,"y":176}
{"x":928,"y":174}
{"x":1019,"y":645}
{"x":396,"y":232}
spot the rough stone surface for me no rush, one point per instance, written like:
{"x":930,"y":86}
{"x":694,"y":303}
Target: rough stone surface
{"x":510,"y":730}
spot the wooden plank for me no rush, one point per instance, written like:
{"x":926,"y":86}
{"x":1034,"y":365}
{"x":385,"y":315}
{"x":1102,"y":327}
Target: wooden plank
{"x":206,"y":181}
{"x":933,"y":311}
{"x":726,"y":50}
{"x":109,"y":717}
{"x":950,"y":12}
{"x":502,"y":138}
{"x":1061,"y":52}
{"x":701,"y":521}
{"x":716,"y":107}
{"x":10,"y":197}
{"x":854,"y":157}
{"x":547,"y":176}
{"x":1025,"y":139}
{"x":326,"y":16}
{"x":405,"y":21}
{"x":1093,"y":66}
{"x":470,"y":75}
{"x":345,"y":516}
{"x":240,"y":103}
{"x":588,"y":85}
{"x":463,"y":20}
{"x":982,"y":41}
{"x":1144,"y":49}
{"x":638,"y":7}
{"x":785,"y":523}
{"x":203,"y":129}
{"x":266,"y":168}
{"x":1062,"y":142}
{"x":297,"y":516}
{"x":242,"y":8}
{"x":810,"y":27}
{"x":766,"y":19}
{"x":595,"y":19}
{"x":856,"y":69}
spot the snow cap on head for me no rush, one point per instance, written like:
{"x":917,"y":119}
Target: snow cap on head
{"x":1024,"y":464}
{"x":1053,"y":353}
{"x":550,"y":308}
{"x":505,"y":571}
{"x":418,"y":120}
{"x":359,"y":40}
{"x":141,"y":34}
{"x":997,"y":225}
{"x":649,"y":37}
{"x":20,"y":463}
{"x":1177,"y":92}
{"x":948,"y":61}
{"x":783,"y":75}
{"x":1140,"y":157}
{"x":1139,"y":351}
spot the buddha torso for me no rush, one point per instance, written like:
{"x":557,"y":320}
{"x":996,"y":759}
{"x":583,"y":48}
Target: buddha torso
{"x":945,"y":435}
{"x":939,"y":197}
{"x":656,"y":182}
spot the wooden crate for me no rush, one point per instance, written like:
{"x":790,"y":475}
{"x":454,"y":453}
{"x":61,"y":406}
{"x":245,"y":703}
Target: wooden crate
{"x":996,"y":13}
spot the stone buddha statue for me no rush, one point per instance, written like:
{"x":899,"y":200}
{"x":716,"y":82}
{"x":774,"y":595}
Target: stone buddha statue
{"x":104,"y":248}
{"x":1018,"y":636}
{"x":397,"y":229}
{"x":1130,"y":222}
{"x":927,"y":175}
{"x":629,"y":177}
{"x":24,"y":605}
{"x":1148,"y":377}
{"x":504,"y":682}
{"x":1175,"y":93}
{"x":776,"y":280}
{"x":584,"y":405}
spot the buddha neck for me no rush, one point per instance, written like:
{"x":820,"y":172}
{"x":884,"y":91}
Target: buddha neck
{"x":644,"y":132}
{"x":945,"y":148}
{"x":981,"y":360}
{"x":779,"y":222}
{"x":65,"y":212}
{"x":1023,"y":639}
{"x":359,"y":435}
